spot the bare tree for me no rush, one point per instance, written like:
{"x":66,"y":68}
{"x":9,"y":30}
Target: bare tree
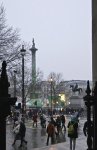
{"x":9,"y":39}
{"x":27,"y":80}
{"x":56,"y":79}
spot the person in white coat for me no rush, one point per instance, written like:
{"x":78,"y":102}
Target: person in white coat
{"x":16,"y":131}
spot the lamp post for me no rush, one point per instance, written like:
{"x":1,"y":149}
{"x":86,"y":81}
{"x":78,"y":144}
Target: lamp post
{"x":23,"y":93}
{"x":57,"y":106}
{"x":51,"y":80}
{"x":15,"y":83}
{"x":89,"y":102}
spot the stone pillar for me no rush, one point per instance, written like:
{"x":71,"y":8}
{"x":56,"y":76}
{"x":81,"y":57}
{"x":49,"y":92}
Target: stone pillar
{"x":94,"y":67}
{"x":94,"y":40}
{"x":33,"y":51}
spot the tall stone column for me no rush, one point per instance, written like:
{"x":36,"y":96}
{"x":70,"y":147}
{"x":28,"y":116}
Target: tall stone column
{"x":33,"y":51}
{"x":94,"y":67}
{"x":94,"y":40}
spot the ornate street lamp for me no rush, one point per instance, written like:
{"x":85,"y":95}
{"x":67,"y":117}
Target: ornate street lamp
{"x":23,"y":93}
{"x":57,"y":106}
{"x":89,"y":103}
{"x":51,"y":84}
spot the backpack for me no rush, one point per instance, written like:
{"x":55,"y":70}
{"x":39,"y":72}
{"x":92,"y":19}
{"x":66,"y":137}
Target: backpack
{"x":71,"y":129}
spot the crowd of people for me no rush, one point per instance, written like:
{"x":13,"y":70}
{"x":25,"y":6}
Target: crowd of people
{"x":54,"y":127}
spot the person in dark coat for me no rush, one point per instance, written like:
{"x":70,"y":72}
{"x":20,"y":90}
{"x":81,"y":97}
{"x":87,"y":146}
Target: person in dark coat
{"x":73,"y":135}
{"x":63,"y":120}
{"x":85,"y":131}
{"x":22,"y":132}
{"x":53,"y":121}
{"x":58,"y":124}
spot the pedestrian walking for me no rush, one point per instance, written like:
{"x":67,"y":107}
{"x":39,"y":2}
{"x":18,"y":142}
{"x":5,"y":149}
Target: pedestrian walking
{"x":30,"y":114}
{"x":21,"y":134}
{"x":16,"y":132}
{"x":43,"y":121}
{"x":53,"y":121}
{"x":34,"y":118}
{"x":58,"y":125}
{"x":86,"y":130}
{"x":15,"y":118}
{"x":50,"y":132}
{"x":63,"y":120}
{"x":73,"y":132}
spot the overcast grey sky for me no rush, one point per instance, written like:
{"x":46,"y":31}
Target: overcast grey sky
{"x":62,"y":33}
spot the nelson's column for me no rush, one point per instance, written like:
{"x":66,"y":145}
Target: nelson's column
{"x":33,"y":51}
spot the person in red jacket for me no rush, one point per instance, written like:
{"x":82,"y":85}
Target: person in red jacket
{"x":34,"y":118}
{"x":50,"y":132}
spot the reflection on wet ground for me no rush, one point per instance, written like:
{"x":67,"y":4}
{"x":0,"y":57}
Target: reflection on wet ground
{"x":36,"y":137}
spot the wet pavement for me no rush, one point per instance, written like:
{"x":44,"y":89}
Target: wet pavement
{"x":36,"y":138}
